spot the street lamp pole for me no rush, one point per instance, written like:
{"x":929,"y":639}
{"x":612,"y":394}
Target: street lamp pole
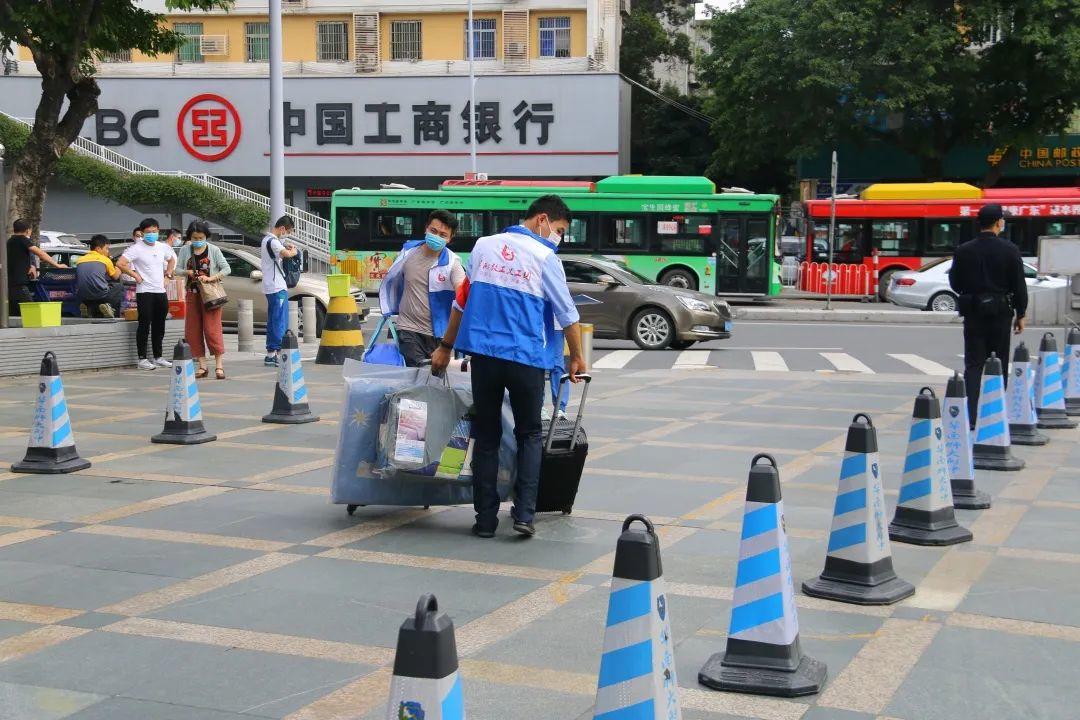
{"x":832,"y":235}
{"x":277,"y":122}
{"x":472,"y":91}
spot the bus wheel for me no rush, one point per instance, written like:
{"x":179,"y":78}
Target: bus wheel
{"x":652,"y":329}
{"x":679,"y":278}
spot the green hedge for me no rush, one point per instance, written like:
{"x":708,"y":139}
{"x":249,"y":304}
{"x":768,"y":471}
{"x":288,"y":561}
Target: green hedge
{"x":101,"y":180}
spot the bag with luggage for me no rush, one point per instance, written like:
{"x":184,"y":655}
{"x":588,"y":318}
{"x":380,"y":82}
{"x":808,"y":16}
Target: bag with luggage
{"x":382,"y":351}
{"x":566,"y":446}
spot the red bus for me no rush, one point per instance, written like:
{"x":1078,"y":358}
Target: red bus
{"x":905,"y":225}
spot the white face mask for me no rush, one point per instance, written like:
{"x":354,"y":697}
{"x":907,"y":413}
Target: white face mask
{"x":553,"y":236}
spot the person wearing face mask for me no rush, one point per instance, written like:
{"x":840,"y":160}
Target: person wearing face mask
{"x":202,"y":263}
{"x":502,"y":317}
{"x":174,"y":239}
{"x":419,"y":288}
{"x":151,"y":264}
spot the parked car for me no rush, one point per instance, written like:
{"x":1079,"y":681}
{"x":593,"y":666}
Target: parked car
{"x":928,"y":287}
{"x":60,"y":241}
{"x":621,"y":304}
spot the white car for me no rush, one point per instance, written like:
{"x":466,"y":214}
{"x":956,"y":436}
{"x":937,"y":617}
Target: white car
{"x":57,"y":241}
{"x":928,"y":287}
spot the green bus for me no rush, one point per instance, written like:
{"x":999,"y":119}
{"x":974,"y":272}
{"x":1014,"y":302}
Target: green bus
{"x":675,"y":230}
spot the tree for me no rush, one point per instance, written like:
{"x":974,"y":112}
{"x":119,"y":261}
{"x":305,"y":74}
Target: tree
{"x":64,"y":37}
{"x":925,"y":76}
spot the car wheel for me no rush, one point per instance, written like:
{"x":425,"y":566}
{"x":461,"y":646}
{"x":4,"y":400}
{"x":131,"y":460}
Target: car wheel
{"x":883,"y":284}
{"x":652,"y":329}
{"x":681,"y":344}
{"x":679,"y":278}
{"x":943,"y":302}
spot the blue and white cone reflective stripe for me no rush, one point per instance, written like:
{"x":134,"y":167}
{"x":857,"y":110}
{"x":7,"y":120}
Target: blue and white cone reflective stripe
{"x":992,"y":426}
{"x":52,"y":426}
{"x":1019,"y":397}
{"x":291,"y":376}
{"x":858,"y":530}
{"x":1048,"y":386}
{"x":426,"y":698}
{"x":637,"y":669}
{"x":763,"y":607}
{"x":1071,"y":376}
{"x":184,"y":398}
{"x":956,"y":426}
{"x":926,"y":484}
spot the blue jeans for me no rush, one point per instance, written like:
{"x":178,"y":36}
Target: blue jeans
{"x":277,"y":319}
{"x":556,"y":374}
{"x":491,"y":378}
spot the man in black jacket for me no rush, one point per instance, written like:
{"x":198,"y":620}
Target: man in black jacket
{"x":988,"y":275}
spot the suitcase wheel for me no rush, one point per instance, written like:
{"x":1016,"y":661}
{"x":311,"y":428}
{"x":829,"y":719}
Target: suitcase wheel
{"x":351,"y":509}
{"x":427,"y":507}
{"x":567,"y":511}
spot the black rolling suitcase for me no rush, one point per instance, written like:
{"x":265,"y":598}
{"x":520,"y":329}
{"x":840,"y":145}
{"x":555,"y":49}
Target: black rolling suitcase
{"x":565,"y":448}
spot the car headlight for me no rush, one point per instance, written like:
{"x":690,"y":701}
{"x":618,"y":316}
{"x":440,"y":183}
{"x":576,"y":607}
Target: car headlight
{"x":693,"y":303}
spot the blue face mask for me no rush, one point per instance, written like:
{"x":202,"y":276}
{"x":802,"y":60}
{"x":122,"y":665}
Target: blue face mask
{"x":434,"y":242}
{"x":150,"y":238}
{"x":200,"y":244}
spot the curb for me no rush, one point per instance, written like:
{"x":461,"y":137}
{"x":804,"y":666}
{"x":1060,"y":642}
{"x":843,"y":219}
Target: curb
{"x":907,"y":317}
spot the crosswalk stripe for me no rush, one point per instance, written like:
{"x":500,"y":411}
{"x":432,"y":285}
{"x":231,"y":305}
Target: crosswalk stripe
{"x":767,"y":360}
{"x":692,"y":359}
{"x":846,"y":363}
{"x":615,"y":360}
{"x":923,"y":365}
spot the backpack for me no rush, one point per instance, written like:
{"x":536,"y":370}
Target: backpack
{"x":290,"y":267}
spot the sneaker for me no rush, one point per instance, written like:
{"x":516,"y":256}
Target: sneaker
{"x":145,"y":364}
{"x":162,"y":362}
{"x":83,"y":310}
{"x":106,"y":310}
{"x":270,"y":361}
{"x":524,"y":528}
{"x":561,"y":415}
{"x":545,"y":413}
{"x":483,"y":533}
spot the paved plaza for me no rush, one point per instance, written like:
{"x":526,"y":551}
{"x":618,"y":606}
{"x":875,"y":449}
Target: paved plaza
{"x":215,"y":582}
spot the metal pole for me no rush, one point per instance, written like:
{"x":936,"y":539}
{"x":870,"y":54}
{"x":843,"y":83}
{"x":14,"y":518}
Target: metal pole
{"x":832,"y":236}
{"x":472,"y":93}
{"x":3,"y":243}
{"x":277,"y":121}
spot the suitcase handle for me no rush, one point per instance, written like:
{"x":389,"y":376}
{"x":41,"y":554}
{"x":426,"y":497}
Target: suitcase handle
{"x":580,"y":408}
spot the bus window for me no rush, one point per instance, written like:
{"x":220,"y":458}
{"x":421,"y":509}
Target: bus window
{"x":577,"y":238}
{"x":1016,"y":230}
{"x":944,"y":236}
{"x":625,"y":234}
{"x":682,"y":234}
{"x":470,"y":227}
{"x":1061,"y":226}
{"x":395,"y":225}
{"x":850,"y":246}
{"x":757,"y":248}
{"x":352,"y":228}
{"x":502,"y":220}
{"x":894,"y":237}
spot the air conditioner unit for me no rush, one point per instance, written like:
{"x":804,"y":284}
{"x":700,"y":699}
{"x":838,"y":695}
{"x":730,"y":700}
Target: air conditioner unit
{"x":214,"y":44}
{"x":516,"y":48}
{"x":366,"y":22}
{"x":367,"y":61}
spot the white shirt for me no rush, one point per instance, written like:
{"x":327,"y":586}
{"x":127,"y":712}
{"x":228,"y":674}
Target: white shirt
{"x":150,"y":261}
{"x":273,"y":279}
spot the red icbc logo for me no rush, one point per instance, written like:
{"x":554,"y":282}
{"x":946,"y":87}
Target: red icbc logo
{"x":208,"y":127}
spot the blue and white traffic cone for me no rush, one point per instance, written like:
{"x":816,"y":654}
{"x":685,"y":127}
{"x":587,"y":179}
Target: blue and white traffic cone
{"x":763,"y":654}
{"x":993,"y":446}
{"x":51,"y":450}
{"x":290,"y":392}
{"x":637,"y":669}
{"x":1071,"y":376}
{"x":958,"y":456}
{"x":1049,"y":390}
{"x":183,"y":411}
{"x":426,"y":684}
{"x":924,"y":513}
{"x":858,"y":563}
{"x":1019,"y":401}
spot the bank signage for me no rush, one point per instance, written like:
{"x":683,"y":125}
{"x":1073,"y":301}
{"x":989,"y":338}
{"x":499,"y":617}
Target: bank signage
{"x":353,"y":126}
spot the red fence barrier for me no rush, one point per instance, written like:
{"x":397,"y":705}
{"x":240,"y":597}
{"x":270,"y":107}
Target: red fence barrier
{"x":845,"y":278}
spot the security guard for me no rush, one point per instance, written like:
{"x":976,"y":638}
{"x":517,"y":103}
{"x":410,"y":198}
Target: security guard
{"x":988,"y":275}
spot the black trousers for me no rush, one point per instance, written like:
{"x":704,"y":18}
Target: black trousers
{"x":153,"y":309}
{"x":415,"y":347}
{"x":982,"y":336}
{"x":18,"y":293}
{"x":491,"y":378}
{"x":115,"y":298}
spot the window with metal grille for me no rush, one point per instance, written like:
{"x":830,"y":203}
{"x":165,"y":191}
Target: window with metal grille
{"x":332,"y":42}
{"x":405,"y":40}
{"x":120,"y":56}
{"x":191,"y":49}
{"x":257,"y":41}
{"x":555,"y":37}
{"x":483,"y":39}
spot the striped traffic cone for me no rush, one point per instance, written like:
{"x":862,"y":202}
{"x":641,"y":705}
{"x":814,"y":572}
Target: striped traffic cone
{"x":637,"y":670}
{"x":183,"y":411}
{"x":426,"y":684}
{"x":1071,"y":375}
{"x":1020,"y":402}
{"x":924,"y":513}
{"x":1049,"y":392}
{"x":341,"y":336}
{"x":51,"y":450}
{"x":858,"y":564}
{"x":763,"y":655}
{"x":290,"y":392}
{"x":993,"y":448}
{"x":958,"y":457}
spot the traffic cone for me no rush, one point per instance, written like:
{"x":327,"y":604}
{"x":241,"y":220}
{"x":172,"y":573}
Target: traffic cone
{"x":1019,"y":402}
{"x":858,"y":563}
{"x":993,"y":449}
{"x":51,"y":450}
{"x":924,"y":513}
{"x":957,"y":428}
{"x":1071,"y":375}
{"x":763,"y":655}
{"x":290,"y":392}
{"x":1049,"y":392}
{"x":341,"y":337}
{"x":183,"y":411}
{"x":426,"y":684}
{"x":637,"y":668}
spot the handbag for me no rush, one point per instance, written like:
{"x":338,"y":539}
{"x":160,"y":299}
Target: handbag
{"x":384,"y":353}
{"x":213,"y":294}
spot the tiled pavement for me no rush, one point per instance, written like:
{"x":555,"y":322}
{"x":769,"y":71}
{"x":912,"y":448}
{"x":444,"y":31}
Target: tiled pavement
{"x":215,"y":582}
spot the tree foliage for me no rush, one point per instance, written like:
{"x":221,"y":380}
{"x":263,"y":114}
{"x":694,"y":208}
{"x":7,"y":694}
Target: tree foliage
{"x":786,"y":78}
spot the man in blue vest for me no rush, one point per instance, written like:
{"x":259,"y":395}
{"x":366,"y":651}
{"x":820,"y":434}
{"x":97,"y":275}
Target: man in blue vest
{"x":419,"y":288}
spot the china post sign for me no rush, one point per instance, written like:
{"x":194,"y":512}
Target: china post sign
{"x":357,"y":126}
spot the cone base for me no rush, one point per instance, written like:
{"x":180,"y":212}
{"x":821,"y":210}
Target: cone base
{"x":1002,"y":463}
{"x":920,"y":536}
{"x":1057,"y":422}
{"x":885,"y":593}
{"x":177,"y":439}
{"x":50,"y":467}
{"x":806,"y":679}
{"x":973,"y":500}
{"x":1026,"y":435}
{"x":282,"y":419}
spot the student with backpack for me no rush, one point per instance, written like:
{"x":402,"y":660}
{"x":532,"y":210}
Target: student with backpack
{"x":279,"y":274}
